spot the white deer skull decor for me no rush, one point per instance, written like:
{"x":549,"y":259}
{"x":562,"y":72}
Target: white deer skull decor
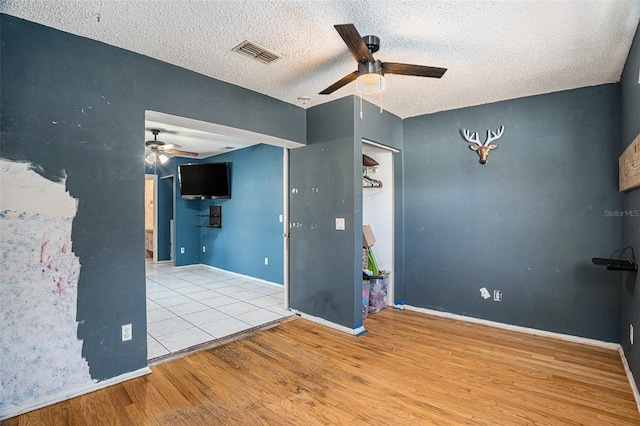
{"x":483,"y":148}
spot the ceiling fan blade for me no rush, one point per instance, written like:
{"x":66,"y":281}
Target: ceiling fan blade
{"x":408,"y":69}
{"x":354,"y":42}
{"x":169,"y":146}
{"x":178,"y":152}
{"x":338,"y":84}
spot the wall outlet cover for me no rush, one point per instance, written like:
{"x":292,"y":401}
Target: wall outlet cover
{"x":126,"y":332}
{"x":484,"y":293}
{"x":340,"y":224}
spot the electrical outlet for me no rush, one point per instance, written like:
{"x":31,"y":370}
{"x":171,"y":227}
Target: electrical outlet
{"x":280,"y":218}
{"x":126,"y":332}
{"x":266,"y":260}
{"x":631,"y":333}
{"x":340,"y":224}
{"x":204,"y":249}
{"x":497,"y":295}
{"x":181,"y":250}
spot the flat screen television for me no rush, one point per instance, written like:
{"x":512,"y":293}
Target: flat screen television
{"x":205,"y":181}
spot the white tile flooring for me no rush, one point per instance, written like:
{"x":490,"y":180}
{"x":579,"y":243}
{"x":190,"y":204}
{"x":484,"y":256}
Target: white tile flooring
{"x":193,"y":305}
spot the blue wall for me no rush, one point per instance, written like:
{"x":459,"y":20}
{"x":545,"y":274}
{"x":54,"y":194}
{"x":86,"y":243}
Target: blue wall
{"x":165,"y":215}
{"x":526,"y":223}
{"x":326,"y":264}
{"x":323,"y":177}
{"x":187,"y":233}
{"x":251,"y":228}
{"x":630,"y":128}
{"x":73,"y":106}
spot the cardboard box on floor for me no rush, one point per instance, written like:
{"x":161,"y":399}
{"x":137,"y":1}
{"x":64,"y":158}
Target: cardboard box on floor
{"x":368,"y":239}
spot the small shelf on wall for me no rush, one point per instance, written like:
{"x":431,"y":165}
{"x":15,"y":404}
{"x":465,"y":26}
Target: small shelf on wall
{"x":215,"y":217}
{"x":618,"y":264}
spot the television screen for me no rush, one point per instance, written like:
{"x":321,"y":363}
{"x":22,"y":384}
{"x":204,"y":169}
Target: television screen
{"x":204,"y":180}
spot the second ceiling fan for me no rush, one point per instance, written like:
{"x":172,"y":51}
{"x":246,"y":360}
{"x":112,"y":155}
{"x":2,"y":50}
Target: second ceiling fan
{"x":370,"y":71}
{"x":159,"y":148}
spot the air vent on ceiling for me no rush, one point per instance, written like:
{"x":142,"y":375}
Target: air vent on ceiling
{"x":258,"y":53}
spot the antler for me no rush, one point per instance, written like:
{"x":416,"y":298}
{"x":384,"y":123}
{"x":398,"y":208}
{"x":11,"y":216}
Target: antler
{"x":471,"y":137}
{"x":492,"y":136}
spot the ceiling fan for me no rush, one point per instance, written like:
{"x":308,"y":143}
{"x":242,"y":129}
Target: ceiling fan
{"x":159,"y":148}
{"x":370,"y":73}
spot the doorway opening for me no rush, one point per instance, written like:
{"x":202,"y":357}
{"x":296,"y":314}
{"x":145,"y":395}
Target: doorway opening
{"x":150,"y":217}
{"x":193,"y":299}
{"x":378,"y":207}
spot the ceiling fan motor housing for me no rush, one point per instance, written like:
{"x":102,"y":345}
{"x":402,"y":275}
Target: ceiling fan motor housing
{"x":372,"y":42}
{"x":374,"y":67}
{"x":155,"y":143}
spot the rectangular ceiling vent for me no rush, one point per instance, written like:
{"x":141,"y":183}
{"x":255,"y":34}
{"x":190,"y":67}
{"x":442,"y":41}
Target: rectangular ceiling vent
{"x":258,"y":53}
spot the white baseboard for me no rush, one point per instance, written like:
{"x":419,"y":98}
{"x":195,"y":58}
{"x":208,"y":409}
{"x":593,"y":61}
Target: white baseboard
{"x":68,"y":394}
{"x":213,"y":268}
{"x":353,"y":331}
{"x":632,"y":382}
{"x":535,"y":332}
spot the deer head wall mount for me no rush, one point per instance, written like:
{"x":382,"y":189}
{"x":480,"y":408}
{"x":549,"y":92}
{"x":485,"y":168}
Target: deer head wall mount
{"x":483,"y":148}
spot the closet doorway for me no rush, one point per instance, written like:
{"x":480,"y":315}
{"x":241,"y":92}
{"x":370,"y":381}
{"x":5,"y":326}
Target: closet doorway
{"x":378,"y":207}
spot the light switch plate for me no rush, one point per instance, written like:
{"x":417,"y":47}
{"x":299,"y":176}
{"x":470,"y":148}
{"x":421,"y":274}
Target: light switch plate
{"x":340,"y":224}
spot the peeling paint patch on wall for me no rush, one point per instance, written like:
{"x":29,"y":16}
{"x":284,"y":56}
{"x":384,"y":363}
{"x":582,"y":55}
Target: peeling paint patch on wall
{"x":40,"y":352}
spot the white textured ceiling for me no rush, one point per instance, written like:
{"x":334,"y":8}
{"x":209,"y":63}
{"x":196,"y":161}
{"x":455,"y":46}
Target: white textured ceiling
{"x":494,"y":50}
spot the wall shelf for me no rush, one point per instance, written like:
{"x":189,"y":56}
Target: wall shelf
{"x":618,"y":264}
{"x":215,"y":217}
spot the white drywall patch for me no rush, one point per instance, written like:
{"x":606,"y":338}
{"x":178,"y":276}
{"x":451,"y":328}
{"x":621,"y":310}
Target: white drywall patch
{"x":41,"y":354}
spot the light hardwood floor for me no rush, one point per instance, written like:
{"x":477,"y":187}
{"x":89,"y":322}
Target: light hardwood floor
{"x":410,"y":368}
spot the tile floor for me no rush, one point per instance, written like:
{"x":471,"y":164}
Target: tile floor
{"x":194,"y":305}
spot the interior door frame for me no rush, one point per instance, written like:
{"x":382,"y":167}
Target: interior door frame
{"x":155,"y":214}
{"x":285,"y":226}
{"x":393,"y":152}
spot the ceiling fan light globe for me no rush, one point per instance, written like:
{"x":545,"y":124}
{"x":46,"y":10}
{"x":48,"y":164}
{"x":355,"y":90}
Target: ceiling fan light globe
{"x":163,"y":158}
{"x":370,"y":83}
{"x":151,"y":158}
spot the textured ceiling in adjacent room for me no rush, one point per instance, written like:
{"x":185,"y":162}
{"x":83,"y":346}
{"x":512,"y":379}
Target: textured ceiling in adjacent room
{"x":494,"y":50}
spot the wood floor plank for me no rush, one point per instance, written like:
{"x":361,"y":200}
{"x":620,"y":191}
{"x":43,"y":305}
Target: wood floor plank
{"x":409,"y":369}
